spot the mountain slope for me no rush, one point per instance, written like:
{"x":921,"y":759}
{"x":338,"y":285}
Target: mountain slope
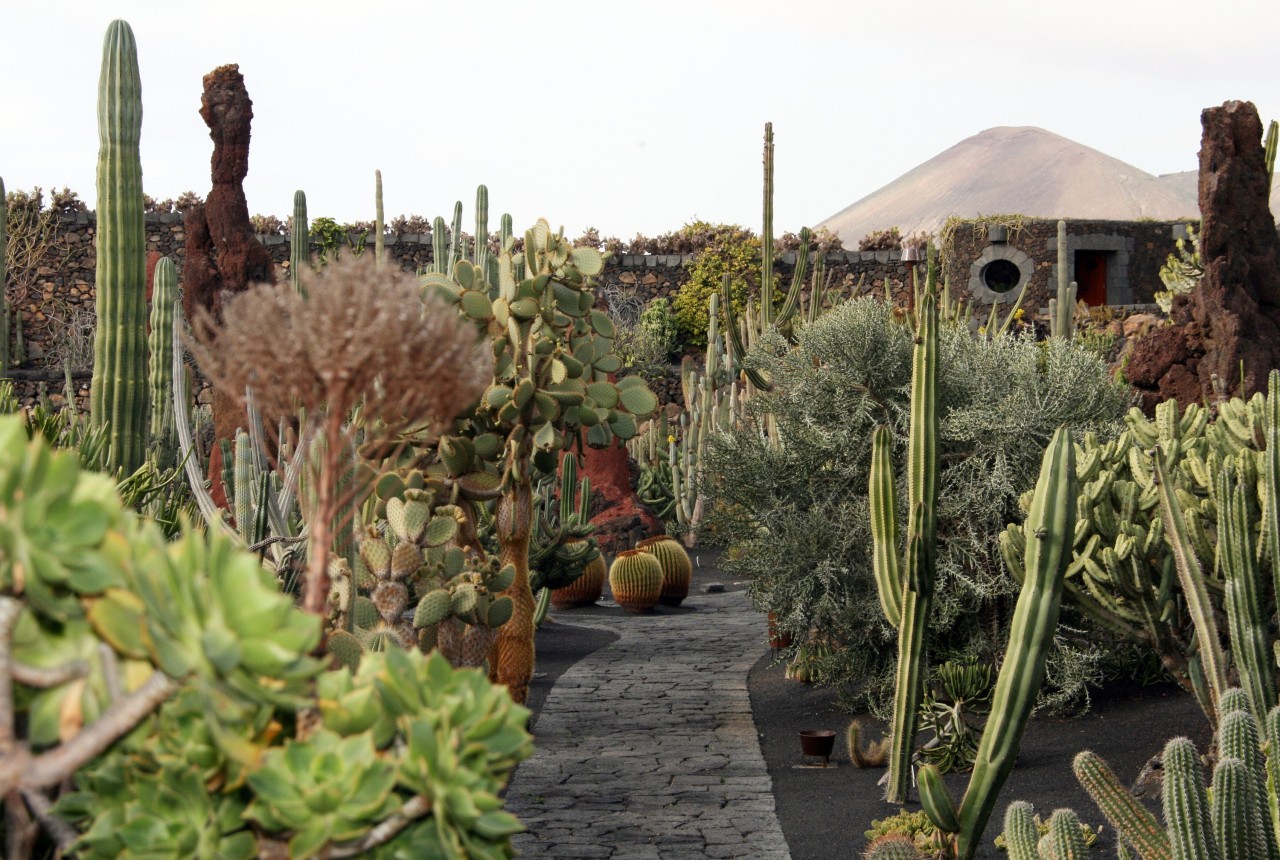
{"x":1014,"y":169}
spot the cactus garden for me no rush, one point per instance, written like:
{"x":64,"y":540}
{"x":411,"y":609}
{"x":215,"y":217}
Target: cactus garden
{"x":442,"y":538}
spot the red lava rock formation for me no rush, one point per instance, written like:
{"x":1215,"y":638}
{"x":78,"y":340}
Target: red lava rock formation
{"x":1229,"y":326}
{"x":620,"y":520}
{"x":222,"y":254}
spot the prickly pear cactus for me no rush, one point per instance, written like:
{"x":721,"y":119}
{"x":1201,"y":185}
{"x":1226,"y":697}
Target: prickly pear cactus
{"x":554,"y":353}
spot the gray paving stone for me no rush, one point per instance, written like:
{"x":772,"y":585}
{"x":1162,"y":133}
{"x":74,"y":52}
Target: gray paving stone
{"x":646,"y":749}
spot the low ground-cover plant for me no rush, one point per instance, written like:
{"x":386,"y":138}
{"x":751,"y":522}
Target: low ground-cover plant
{"x":795,"y":516}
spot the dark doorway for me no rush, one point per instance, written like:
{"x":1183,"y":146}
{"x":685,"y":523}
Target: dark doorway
{"x":1091,"y":277}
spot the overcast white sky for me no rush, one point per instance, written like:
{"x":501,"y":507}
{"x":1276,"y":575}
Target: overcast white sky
{"x":630,"y":117}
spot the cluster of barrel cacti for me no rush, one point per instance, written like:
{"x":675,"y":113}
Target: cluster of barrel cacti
{"x":1236,"y":819}
{"x":1149,"y":559}
{"x":657,"y":570}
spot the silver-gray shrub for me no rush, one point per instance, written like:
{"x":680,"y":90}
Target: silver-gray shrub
{"x":795,"y":518}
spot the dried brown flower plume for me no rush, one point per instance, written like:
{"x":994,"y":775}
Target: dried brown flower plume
{"x":357,"y":333}
{"x":355,"y":336}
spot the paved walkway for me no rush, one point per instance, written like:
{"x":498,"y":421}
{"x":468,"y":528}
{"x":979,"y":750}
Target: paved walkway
{"x":646,"y":748}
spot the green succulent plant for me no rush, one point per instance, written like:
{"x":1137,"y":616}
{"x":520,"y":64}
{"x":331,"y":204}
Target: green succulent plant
{"x":325,"y":789}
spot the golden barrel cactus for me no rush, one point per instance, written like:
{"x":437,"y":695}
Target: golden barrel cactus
{"x":636,"y":580}
{"x":677,"y":569}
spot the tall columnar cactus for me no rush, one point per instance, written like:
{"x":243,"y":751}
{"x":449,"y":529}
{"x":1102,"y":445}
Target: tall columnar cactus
{"x":1239,"y":823}
{"x":4,"y":276}
{"x":118,"y":395}
{"x":1063,"y":308}
{"x":743,"y":336}
{"x":299,"y":240}
{"x":164,"y":297}
{"x":1163,"y":593}
{"x":1269,"y":153}
{"x":906,"y":591}
{"x":379,"y":241}
{"x":1051,"y":524}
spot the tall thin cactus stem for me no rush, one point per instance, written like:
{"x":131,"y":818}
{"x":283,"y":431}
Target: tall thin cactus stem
{"x":118,"y":396}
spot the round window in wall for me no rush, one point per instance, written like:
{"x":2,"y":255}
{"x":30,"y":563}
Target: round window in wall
{"x":1001,"y":276}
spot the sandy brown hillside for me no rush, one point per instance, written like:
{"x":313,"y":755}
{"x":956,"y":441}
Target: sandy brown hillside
{"x":1015,"y":169}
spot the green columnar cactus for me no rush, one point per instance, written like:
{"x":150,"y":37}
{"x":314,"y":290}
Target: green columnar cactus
{"x":1269,"y":153}
{"x":1021,"y":834}
{"x":1051,"y":524}
{"x":379,"y":240}
{"x":1237,"y":824}
{"x":164,"y":296}
{"x":635,"y":578}
{"x":118,"y":392}
{"x":299,"y":240}
{"x":562,"y":545}
{"x":757,"y":323}
{"x":1062,"y":309}
{"x":439,"y":247}
{"x":1239,"y":739}
{"x":1250,"y":642}
{"x":485,"y":261}
{"x":1186,"y":806}
{"x":1124,"y":573}
{"x":1192,"y":578}
{"x":910,"y":587}
{"x":1125,"y":812}
{"x":4,"y":276}
{"x":1066,"y":837}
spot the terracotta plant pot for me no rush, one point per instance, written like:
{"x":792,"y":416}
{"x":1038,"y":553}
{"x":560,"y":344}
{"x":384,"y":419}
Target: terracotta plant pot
{"x":818,"y":744}
{"x":636,"y":580}
{"x":677,"y":570}
{"x":777,"y":641}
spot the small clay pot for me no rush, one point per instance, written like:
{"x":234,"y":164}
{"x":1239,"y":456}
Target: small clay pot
{"x":777,"y":641}
{"x":818,"y":744}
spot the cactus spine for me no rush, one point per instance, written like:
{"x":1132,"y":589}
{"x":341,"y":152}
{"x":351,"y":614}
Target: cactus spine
{"x":1051,"y":525}
{"x":119,"y":388}
{"x":299,"y":240}
{"x":913,"y":593}
{"x":164,"y":296}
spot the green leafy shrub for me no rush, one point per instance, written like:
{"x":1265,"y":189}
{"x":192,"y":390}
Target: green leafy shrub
{"x":730,"y":250}
{"x":775,"y":506}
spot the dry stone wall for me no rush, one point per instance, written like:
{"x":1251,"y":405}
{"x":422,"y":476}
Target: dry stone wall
{"x":63,"y":289}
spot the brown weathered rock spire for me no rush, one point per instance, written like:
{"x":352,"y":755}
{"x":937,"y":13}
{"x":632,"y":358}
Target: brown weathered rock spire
{"x":222,"y":254}
{"x":1228,"y":327}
